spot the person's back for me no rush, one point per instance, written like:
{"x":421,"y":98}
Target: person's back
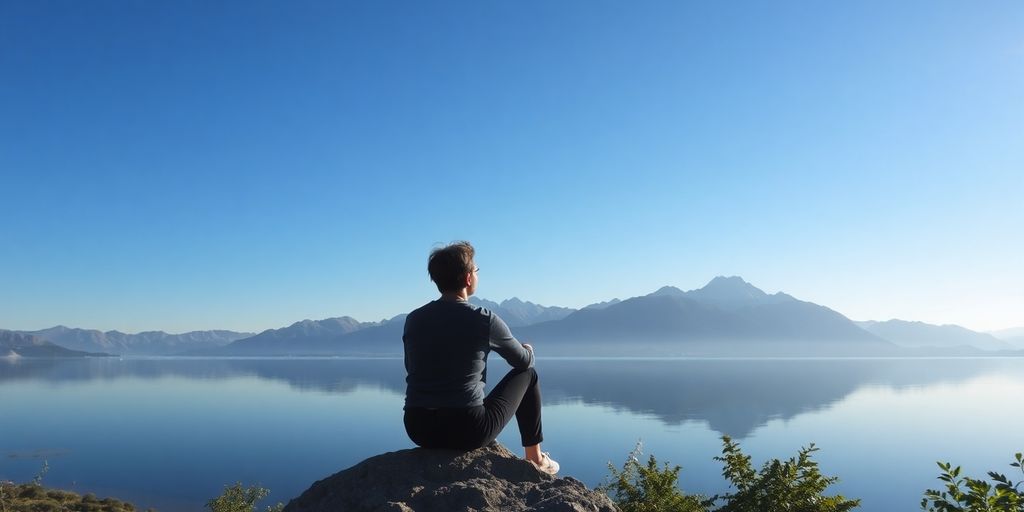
{"x":446,"y":346}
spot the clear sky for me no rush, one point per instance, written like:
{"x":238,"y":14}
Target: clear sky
{"x":244,"y":165}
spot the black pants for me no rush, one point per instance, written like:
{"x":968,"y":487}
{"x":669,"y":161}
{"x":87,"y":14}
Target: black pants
{"x":472,"y":427}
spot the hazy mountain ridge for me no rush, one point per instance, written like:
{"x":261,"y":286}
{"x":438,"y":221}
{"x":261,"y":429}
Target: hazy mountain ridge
{"x":1014,"y":336}
{"x":303,"y":336}
{"x":602,"y":305}
{"x":143,"y":343}
{"x":1018,"y":342}
{"x":348,"y":336}
{"x":1015,"y":332}
{"x":14,"y":344}
{"x":733,"y":293}
{"x":517,"y":313}
{"x":728,"y":316}
{"x":920,"y":334}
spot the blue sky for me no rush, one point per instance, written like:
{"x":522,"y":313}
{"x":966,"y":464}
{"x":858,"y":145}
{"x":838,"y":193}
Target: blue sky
{"x":243,"y":165}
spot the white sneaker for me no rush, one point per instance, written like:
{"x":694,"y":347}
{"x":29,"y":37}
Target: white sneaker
{"x":547,"y":465}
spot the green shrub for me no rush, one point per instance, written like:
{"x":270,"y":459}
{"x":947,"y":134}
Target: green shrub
{"x":794,"y":485}
{"x":236,"y":499}
{"x":640,"y":488}
{"x":31,"y":497}
{"x":975,"y":495}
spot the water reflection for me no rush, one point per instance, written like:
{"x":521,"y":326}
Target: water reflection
{"x":734,"y":396}
{"x":304,"y":374}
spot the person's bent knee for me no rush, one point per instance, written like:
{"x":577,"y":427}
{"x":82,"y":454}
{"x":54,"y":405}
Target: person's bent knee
{"x":532,"y":371}
{"x":533,"y":374}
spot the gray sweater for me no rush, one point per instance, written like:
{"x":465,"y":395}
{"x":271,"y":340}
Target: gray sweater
{"x":446,"y":347}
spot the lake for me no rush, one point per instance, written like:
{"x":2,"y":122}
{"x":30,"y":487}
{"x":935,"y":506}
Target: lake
{"x":169,"y":433}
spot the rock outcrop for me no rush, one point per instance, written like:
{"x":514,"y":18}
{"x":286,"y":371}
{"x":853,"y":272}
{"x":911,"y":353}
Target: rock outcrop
{"x":420,"y":480}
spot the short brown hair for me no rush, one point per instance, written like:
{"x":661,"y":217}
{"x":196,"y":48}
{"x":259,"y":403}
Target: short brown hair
{"x":449,"y":265}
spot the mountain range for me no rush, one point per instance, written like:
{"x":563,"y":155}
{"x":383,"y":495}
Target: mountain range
{"x":919,"y":334}
{"x":726,"y":317}
{"x":143,"y":343}
{"x":15,"y":345}
{"x":517,"y":313}
{"x":307,"y":336}
{"x":1013,"y":336}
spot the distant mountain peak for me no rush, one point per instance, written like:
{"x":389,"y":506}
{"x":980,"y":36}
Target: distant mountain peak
{"x":670,"y":291}
{"x":722,"y":290}
{"x":602,"y":305}
{"x":517,"y":312}
{"x":732,"y":283}
{"x":728,"y":279}
{"x":729,"y":288}
{"x":726,"y":292}
{"x":341,"y":319}
{"x":479,"y":301}
{"x":337,"y":320}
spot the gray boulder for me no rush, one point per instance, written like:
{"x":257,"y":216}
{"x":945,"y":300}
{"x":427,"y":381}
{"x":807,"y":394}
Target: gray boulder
{"x":421,"y":480}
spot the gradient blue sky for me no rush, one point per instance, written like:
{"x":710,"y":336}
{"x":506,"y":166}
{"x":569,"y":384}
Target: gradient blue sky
{"x":243,"y":165}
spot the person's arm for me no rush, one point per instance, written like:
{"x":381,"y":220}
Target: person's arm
{"x":507,"y":346}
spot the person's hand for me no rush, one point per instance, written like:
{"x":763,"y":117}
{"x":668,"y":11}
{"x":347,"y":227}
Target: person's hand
{"x":527,"y":346}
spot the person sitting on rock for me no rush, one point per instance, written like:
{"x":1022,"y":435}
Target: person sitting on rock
{"x":446,"y":346}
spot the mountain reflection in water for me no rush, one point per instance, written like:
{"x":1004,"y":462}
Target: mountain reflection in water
{"x":733,"y":396}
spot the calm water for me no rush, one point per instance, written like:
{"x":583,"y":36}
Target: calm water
{"x":169,"y":433}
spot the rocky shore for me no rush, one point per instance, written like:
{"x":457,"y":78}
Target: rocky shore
{"x":420,"y":480}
